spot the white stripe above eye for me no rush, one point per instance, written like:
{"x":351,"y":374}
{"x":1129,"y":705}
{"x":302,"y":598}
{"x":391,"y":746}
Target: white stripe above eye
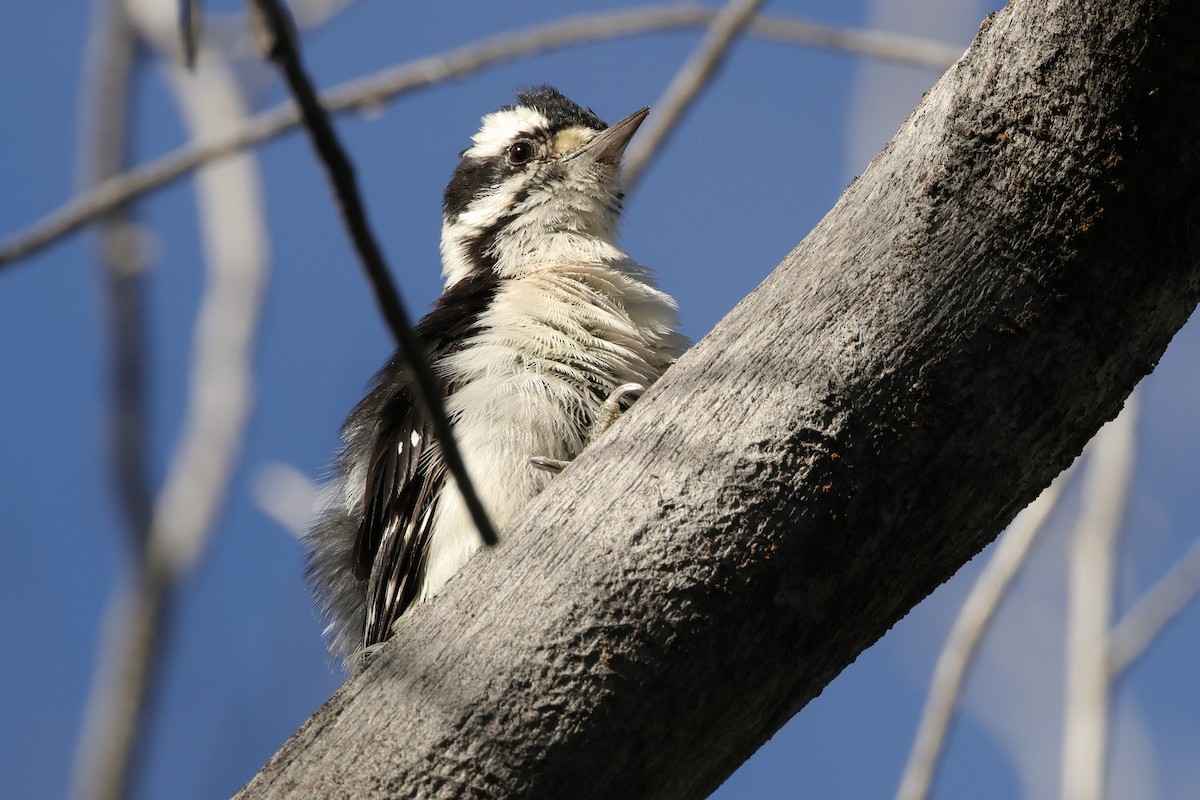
{"x":501,"y":127}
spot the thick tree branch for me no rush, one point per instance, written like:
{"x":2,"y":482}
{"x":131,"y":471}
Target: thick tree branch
{"x":940,"y":347}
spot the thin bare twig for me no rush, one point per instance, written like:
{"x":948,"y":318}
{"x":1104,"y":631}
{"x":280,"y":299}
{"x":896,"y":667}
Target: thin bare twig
{"x":127,"y":672}
{"x":118,"y":701}
{"x":280,"y":45}
{"x":962,"y":644}
{"x":221,"y":369}
{"x":197,"y":483}
{"x":1092,"y":569}
{"x":371,"y":92}
{"x":1153,"y":611}
{"x":103,"y":148}
{"x":125,"y":292}
{"x":685,"y":87}
{"x":912,"y":51}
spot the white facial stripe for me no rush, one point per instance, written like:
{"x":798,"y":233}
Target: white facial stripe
{"x":482,"y":212}
{"x":501,"y":127}
{"x":456,"y":265}
{"x":488,"y":208}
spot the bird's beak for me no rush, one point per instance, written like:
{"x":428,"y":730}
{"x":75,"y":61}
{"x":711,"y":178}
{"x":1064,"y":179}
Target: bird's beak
{"x":609,"y":145}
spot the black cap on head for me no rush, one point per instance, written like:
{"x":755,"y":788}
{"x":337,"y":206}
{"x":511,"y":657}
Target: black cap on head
{"x":556,"y":107}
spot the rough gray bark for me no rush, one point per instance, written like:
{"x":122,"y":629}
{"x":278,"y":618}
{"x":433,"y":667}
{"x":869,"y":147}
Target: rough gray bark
{"x":978,"y":303}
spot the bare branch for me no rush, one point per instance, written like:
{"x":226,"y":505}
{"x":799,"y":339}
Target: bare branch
{"x":221,"y":374}
{"x":123,"y":687}
{"x":118,"y":700}
{"x":103,"y":152}
{"x":912,"y":51}
{"x":369,"y":93}
{"x":973,"y":621}
{"x":202,"y":464}
{"x":1091,"y":584}
{"x":686,"y":86}
{"x":1153,"y":611}
{"x":125,"y":290}
{"x":280,"y":45}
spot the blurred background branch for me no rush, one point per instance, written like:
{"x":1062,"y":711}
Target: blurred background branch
{"x":689,"y":81}
{"x":185,"y":511}
{"x":1153,"y":611}
{"x":120,"y":693}
{"x":1090,"y":597}
{"x":276,"y":33}
{"x":970,"y":627}
{"x":369,"y":93}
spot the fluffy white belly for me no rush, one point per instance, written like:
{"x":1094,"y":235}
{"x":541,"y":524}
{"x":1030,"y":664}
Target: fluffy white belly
{"x":531,"y":383}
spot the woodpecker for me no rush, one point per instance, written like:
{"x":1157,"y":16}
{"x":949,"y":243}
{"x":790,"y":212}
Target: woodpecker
{"x":544,"y":331}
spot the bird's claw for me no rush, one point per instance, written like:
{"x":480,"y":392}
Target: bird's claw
{"x":609,"y":411}
{"x":554,"y":465}
{"x":611,"y":408}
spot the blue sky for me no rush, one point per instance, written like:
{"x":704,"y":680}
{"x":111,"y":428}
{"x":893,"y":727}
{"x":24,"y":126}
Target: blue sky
{"x":763,"y":155}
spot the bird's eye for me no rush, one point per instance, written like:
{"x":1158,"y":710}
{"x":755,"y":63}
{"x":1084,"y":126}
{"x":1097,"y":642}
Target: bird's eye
{"x":520,"y":152}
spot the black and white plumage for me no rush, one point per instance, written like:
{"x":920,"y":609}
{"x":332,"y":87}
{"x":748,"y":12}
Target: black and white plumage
{"x":542,"y":319}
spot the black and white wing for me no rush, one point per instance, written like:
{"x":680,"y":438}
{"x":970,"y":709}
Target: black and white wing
{"x":370,"y":540}
{"x":403,"y":486}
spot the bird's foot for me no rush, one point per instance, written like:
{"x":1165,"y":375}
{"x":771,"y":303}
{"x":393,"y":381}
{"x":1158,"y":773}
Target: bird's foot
{"x":554,"y":465}
{"x":609,"y":411}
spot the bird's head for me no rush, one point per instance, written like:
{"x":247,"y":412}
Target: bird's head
{"x":539,"y":185}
